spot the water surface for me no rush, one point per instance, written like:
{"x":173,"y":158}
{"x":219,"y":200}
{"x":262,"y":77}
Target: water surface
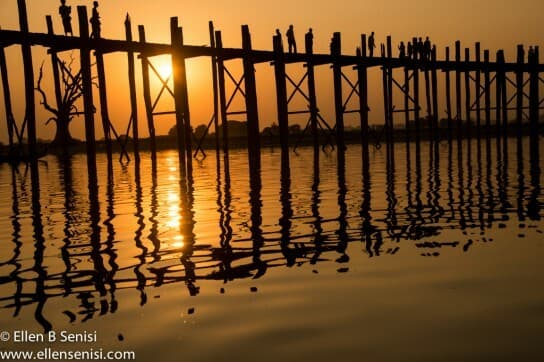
{"x":431,"y":252}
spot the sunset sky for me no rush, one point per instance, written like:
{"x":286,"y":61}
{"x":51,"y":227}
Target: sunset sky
{"x":496,"y":24}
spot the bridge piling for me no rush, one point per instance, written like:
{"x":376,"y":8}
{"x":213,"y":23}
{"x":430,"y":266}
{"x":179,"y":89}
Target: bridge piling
{"x":147,"y":93}
{"x":520,"y":59}
{"x":468,"y":102}
{"x":478,"y":87}
{"x":88,"y":104}
{"x":253,"y":135}
{"x":487,"y":93}
{"x":448,"y":96}
{"x":336,"y":51}
{"x":132,"y":91}
{"x":281,"y":94}
{"x":175,"y":36}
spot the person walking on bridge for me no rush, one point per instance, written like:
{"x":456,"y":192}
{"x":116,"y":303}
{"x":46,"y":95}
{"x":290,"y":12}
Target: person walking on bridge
{"x":95,"y":22}
{"x":65,"y":12}
{"x":290,"y":34}
{"x":371,"y":44}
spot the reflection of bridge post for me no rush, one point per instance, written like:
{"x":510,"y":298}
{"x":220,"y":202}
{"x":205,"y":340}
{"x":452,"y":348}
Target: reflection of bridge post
{"x":366,"y":228}
{"x":69,"y":196}
{"x":256,"y":219}
{"x":187,"y":230}
{"x":343,"y":208}
{"x":110,"y":231}
{"x":94,"y":214}
{"x":225,"y":217}
{"x":286,"y":208}
{"x":14,"y":275}
{"x":140,"y":277}
{"x":316,"y":201}
{"x":39,"y":247}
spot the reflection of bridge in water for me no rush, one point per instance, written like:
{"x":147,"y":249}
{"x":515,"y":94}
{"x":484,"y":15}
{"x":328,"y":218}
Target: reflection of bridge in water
{"x":466,"y":197}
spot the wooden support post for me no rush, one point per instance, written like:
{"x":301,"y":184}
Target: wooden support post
{"x":478,"y":92}
{"x":416,"y":102}
{"x":406,"y":98}
{"x":30,"y":103}
{"x":86,"y":78}
{"x":188,"y":132}
{"x":222,"y":93}
{"x":337,"y":83}
{"x":179,"y":102}
{"x":281,"y":94}
{"x":498,"y":91}
{"x":468,"y":117}
{"x":132,"y":90}
{"x":504,"y":100}
{"x":385,"y":84}
{"x":363,"y":94}
{"x":253,"y":136}
{"x":448,"y":95}
{"x":103,"y":100}
{"x":313,"y":105}
{"x":55,"y":65}
{"x":427,"y":91}
{"x":215,"y":90}
{"x":147,"y":94}
{"x":458,"y":87}
{"x":434,"y":89}
{"x":389,"y":49}
{"x":7,"y":97}
{"x":519,"y":89}
{"x":487,"y":93}
{"x":534,"y":105}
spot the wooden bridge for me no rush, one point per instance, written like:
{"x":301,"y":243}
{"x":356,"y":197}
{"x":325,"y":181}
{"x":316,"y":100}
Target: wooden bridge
{"x":474,"y":76}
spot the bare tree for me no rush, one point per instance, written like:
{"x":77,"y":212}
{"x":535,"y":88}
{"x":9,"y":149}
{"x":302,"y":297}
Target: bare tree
{"x":66,"y":109}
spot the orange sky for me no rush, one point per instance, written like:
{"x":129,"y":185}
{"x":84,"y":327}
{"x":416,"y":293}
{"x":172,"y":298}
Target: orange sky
{"x":496,"y":24}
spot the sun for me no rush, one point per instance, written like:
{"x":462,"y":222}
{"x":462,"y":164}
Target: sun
{"x":164,"y":69}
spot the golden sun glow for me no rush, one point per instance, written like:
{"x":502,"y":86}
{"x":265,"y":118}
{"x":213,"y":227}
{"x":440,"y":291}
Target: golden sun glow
{"x":164,"y":69}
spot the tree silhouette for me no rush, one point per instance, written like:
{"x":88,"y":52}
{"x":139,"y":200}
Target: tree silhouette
{"x":71,"y":90}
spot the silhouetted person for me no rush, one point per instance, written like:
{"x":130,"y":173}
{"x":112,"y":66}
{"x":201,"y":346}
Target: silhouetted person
{"x":65,"y":12}
{"x":95,"y":22}
{"x":278,"y":34}
{"x":402,"y":50}
{"x":420,"y":49}
{"x":410,"y":50}
{"x":309,"y":41}
{"x":371,"y":44}
{"x":530,"y":54}
{"x":291,"y":40}
{"x":427,"y":48}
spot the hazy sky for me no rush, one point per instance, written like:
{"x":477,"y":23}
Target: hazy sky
{"x":496,"y":24}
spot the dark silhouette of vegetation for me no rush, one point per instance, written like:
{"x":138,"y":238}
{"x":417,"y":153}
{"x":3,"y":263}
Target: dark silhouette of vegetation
{"x":66,"y":109}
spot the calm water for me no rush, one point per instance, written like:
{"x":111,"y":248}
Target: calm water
{"x":433,"y":255}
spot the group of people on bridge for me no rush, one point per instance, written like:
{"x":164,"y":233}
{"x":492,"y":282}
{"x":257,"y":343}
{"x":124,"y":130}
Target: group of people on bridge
{"x":65,"y":12}
{"x":292,"y":43}
{"x":416,"y":50}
